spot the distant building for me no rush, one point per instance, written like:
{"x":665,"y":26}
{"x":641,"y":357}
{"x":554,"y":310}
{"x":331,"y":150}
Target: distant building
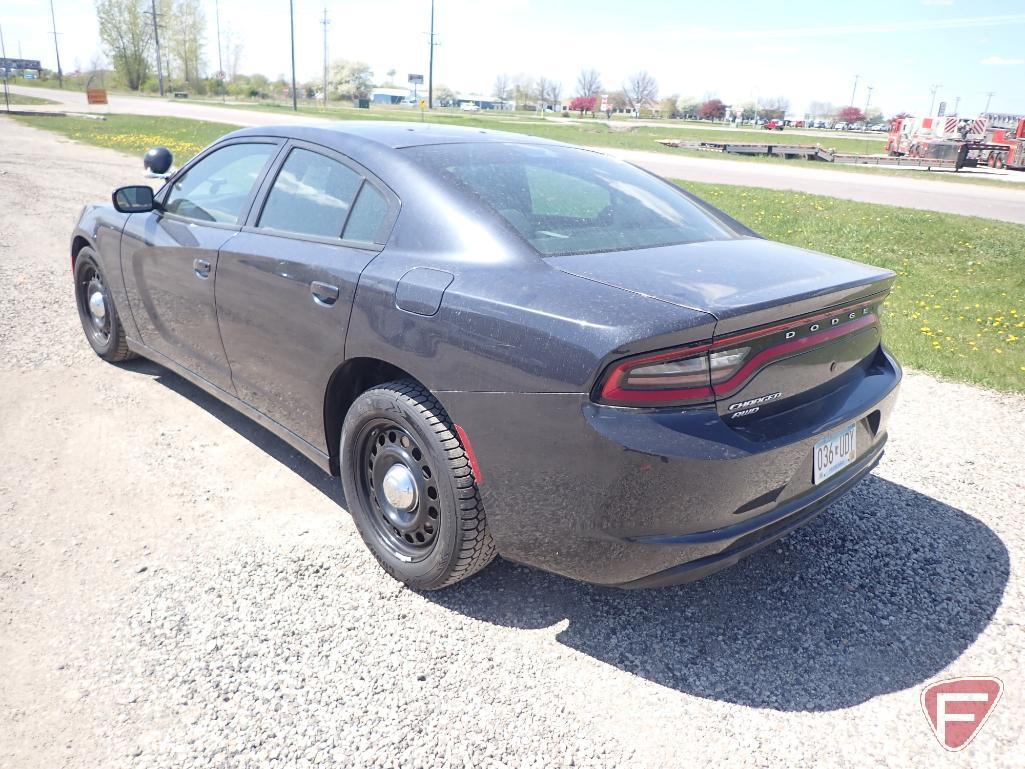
{"x":391,"y":95}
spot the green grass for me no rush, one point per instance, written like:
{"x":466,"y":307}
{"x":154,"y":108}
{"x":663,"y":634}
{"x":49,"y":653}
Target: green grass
{"x":957,"y":309}
{"x":17,"y":99}
{"x":135,"y":133}
{"x":958,"y":306}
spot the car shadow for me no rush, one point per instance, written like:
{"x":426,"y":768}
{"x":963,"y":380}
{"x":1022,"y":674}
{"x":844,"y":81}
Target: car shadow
{"x":876,"y":595}
{"x":256,"y":434}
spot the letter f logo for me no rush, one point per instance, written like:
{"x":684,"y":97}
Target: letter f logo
{"x":958,"y":707}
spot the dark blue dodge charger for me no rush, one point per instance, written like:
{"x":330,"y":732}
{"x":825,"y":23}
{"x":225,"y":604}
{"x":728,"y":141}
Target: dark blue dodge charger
{"x":501,"y":344}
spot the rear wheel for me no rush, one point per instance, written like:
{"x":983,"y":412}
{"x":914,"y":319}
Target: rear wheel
{"x":410,"y":487}
{"x":100,"y":321}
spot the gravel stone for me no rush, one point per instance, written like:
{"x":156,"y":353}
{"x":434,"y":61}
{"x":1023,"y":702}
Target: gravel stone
{"x":268,"y":637}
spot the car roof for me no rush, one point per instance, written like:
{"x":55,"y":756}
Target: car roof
{"x":387,"y":133}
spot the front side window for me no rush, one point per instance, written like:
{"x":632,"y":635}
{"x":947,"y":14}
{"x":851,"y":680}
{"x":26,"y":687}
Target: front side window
{"x":312,"y":195}
{"x":563,"y":200}
{"x":217,"y":188}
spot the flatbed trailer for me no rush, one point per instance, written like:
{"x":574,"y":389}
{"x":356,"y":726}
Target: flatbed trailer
{"x":809,"y":152}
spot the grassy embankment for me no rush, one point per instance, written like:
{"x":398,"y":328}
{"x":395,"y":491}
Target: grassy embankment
{"x":958,"y":307}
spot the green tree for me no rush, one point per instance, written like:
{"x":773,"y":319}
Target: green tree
{"x":127,"y":35}
{"x":186,"y":38}
{"x":350,"y":79}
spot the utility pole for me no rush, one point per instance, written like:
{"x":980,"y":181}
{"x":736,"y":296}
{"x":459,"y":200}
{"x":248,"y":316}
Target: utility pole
{"x":3,"y":52}
{"x":430,"y":64}
{"x":932,"y":93}
{"x":989,"y":98}
{"x":220,"y":63}
{"x":291,"y":25}
{"x":957,"y":102}
{"x":325,"y":22}
{"x":56,"y":48}
{"x":855,"y":89}
{"x":156,"y":40}
{"x":868,"y":99}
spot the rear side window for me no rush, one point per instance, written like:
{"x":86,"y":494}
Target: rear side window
{"x":312,"y":195}
{"x":563,"y":200}
{"x":217,"y":187}
{"x":367,"y":217}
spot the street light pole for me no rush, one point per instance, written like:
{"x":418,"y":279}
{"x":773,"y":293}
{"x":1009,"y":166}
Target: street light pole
{"x":430,"y":65}
{"x":291,"y":22}
{"x":868,"y":99}
{"x":220,"y":63}
{"x":989,"y":97}
{"x":156,"y":40}
{"x":855,"y":89}
{"x":56,"y":48}
{"x":325,"y":22}
{"x":3,"y":52}
{"x":932,"y":93}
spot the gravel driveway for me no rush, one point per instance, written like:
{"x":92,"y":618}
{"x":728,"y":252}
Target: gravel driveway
{"x":178,"y":588}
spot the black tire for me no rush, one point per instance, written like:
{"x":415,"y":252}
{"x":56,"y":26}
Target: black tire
{"x":105,"y":334}
{"x":442,"y":536}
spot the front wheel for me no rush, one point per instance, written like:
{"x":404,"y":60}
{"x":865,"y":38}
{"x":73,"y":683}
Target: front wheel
{"x":411,"y":489}
{"x":100,"y":321}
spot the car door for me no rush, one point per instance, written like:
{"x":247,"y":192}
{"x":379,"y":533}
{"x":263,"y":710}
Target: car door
{"x":169,"y":256}
{"x":286,"y":283}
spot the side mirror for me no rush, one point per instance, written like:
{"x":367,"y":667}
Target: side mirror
{"x":136,"y":199}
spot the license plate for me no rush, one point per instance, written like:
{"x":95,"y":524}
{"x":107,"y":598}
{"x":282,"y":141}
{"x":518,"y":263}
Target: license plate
{"x":833,"y":453}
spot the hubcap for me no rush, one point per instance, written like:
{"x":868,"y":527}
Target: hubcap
{"x":92,"y":305}
{"x":399,"y":488}
{"x":97,"y":306}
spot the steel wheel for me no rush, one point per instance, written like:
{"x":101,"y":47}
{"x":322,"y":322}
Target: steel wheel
{"x":94,"y":305}
{"x":397,"y":485}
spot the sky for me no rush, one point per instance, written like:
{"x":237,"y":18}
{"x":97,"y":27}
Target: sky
{"x":737,"y":51}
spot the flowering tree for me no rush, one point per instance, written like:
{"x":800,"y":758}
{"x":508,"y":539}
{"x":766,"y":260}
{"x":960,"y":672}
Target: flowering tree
{"x":850,"y":115}
{"x":713,"y":109}
{"x":583,"y":104}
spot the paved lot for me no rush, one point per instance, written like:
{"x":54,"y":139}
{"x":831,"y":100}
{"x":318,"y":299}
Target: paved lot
{"x":180,"y":589}
{"x":949,"y":197}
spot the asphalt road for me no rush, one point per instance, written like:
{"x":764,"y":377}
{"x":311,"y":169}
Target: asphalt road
{"x":179,"y":589}
{"x":987,"y":201}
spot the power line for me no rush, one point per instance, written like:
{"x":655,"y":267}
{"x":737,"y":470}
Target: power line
{"x":56,"y":48}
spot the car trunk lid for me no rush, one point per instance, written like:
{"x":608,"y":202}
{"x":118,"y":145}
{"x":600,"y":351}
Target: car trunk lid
{"x":796,"y":320}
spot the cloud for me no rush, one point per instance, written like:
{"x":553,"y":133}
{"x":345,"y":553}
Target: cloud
{"x":847,"y":30}
{"x":1000,"y":60}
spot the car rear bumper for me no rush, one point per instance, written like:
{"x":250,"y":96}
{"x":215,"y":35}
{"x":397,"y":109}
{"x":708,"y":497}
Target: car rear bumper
{"x":642,"y":498}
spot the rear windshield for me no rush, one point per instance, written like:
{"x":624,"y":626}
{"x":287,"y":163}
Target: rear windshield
{"x":563,"y":200}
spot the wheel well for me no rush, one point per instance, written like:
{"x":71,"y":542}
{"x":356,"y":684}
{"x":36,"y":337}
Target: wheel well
{"x":348,"y":382}
{"x":77,"y":245}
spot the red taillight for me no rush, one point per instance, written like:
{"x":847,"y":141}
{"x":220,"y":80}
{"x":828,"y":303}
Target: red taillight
{"x":685,"y":376}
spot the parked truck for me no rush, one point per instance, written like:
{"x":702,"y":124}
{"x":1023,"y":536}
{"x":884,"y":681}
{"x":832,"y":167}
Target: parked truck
{"x":997,"y":141}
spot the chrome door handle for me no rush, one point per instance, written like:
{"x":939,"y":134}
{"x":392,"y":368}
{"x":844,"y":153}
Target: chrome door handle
{"x":201,"y":267}
{"x":324,"y":294}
